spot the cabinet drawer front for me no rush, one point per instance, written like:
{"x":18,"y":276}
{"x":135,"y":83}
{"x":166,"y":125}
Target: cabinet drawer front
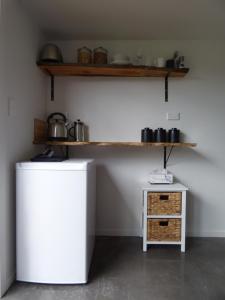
{"x":164,"y":203}
{"x":164,"y":230}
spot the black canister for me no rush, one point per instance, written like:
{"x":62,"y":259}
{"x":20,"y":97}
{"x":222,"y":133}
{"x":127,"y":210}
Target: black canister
{"x":146,"y":135}
{"x":160,"y":135}
{"x":170,"y":63}
{"x":174,"y":135}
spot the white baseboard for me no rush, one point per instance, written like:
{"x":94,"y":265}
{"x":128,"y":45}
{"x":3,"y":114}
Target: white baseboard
{"x":119,"y":232}
{"x":138,"y":233}
{"x":206,"y":234}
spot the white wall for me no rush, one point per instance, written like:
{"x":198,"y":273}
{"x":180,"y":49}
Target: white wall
{"x":24,"y":86}
{"x":117,"y":108}
{"x":2,"y":147}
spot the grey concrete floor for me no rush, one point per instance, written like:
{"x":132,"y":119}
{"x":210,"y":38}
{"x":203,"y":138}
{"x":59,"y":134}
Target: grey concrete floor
{"x":121,"y":271}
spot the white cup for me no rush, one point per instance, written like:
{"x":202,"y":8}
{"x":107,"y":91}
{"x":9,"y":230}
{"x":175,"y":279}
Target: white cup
{"x":160,"y":62}
{"x":119,"y":57}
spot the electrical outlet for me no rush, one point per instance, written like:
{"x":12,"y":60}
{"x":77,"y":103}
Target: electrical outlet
{"x":173,"y":116}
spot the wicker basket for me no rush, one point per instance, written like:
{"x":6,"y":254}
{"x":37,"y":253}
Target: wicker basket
{"x":164,"y":203}
{"x":164,"y":230}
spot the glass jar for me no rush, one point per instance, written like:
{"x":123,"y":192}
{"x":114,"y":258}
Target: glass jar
{"x":100,"y":56}
{"x":84,"y":55}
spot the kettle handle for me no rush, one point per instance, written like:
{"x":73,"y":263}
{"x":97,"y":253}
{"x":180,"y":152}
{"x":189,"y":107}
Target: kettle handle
{"x":56,"y":113}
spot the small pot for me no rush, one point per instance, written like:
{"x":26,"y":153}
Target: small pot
{"x":174,"y":135}
{"x":146,"y":135}
{"x":160,"y":135}
{"x":50,"y":53}
{"x":170,"y":63}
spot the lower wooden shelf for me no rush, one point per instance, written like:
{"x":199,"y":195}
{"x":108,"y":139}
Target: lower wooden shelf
{"x":112,"y":144}
{"x":40,"y":137}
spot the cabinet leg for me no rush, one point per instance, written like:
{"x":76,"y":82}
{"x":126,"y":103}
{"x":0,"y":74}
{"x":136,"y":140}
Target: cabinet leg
{"x":144,"y":247}
{"x":182,"y":247}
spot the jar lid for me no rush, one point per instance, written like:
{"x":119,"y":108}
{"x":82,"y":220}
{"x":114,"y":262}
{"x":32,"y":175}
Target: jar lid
{"x":84,"y":49}
{"x":100,"y":49}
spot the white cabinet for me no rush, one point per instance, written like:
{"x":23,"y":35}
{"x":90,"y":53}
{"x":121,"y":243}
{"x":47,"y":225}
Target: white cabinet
{"x":55,"y":221}
{"x":164,"y":215}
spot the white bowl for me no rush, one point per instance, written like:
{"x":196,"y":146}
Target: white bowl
{"x":120,"y":62}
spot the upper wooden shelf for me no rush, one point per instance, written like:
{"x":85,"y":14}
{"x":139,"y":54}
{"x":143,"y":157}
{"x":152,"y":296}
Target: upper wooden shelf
{"x":110,"y":70}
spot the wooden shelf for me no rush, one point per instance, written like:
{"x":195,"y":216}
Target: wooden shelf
{"x":110,"y":70}
{"x":113,"y":144}
{"x":40,"y":137}
{"x":53,"y":70}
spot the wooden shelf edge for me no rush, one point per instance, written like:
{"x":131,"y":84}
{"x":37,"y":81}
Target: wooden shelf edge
{"x":70,"y":69}
{"x":113,"y":144}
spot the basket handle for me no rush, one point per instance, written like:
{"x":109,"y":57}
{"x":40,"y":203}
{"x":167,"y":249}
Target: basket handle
{"x":164,"y":197}
{"x":163,"y":223}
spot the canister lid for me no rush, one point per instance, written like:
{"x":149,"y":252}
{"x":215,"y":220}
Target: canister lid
{"x":84,"y":49}
{"x":100,"y":49}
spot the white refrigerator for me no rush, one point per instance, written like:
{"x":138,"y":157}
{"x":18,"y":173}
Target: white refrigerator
{"x":55,"y":221}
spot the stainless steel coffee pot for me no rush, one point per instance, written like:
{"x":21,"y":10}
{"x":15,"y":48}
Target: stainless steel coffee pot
{"x":77,"y":131}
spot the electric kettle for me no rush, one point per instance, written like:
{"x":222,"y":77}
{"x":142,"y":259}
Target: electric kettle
{"x":57,"y":127}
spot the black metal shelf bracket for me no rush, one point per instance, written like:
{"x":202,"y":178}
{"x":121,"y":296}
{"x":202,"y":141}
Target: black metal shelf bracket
{"x":166,"y":88}
{"x":165,"y":157}
{"x":52,"y":87}
{"x":67,"y":152}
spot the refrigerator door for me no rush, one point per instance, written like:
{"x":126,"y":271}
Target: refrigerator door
{"x":52,"y":226}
